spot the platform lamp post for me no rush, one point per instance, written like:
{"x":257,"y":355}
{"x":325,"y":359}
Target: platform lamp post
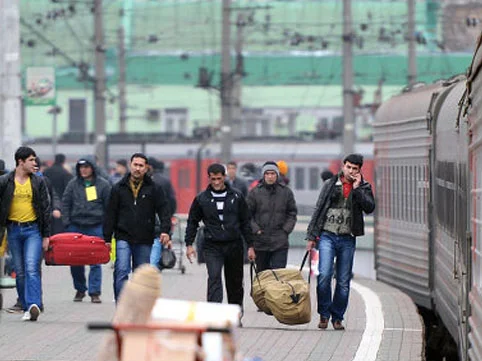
{"x":55,"y":110}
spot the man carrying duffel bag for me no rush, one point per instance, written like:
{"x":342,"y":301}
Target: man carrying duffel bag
{"x":84,"y":204}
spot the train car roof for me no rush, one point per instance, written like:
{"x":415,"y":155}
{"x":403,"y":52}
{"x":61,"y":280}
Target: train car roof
{"x":412,"y":104}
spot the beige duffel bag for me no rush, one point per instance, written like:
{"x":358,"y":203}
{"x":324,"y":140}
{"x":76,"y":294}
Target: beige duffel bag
{"x":289,"y":301}
{"x":283,"y":293}
{"x":261,"y":280}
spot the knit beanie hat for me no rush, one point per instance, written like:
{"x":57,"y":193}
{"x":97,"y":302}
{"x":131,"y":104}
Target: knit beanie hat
{"x":270,"y":166}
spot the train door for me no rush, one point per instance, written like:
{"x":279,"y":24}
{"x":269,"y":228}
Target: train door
{"x":183,"y":180}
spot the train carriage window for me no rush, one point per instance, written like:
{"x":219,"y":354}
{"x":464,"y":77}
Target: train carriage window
{"x":314,"y":178}
{"x":299,"y":178}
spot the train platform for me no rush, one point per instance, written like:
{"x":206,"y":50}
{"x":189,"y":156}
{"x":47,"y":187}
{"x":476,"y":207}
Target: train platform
{"x":382,"y":323}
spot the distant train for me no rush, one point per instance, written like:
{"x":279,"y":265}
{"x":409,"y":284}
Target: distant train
{"x":186,"y":162}
{"x":428,"y":242}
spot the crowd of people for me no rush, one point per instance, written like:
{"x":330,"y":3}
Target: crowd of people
{"x":134,"y":205}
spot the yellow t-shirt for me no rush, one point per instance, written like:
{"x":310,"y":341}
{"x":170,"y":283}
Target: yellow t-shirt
{"x":21,"y":209}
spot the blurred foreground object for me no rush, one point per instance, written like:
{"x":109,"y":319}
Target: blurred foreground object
{"x":134,"y":306}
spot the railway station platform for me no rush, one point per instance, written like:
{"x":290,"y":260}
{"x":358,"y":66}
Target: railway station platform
{"x":382,"y":324}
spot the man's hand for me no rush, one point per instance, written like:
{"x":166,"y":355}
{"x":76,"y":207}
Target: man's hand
{"x":56,"y":214}
{"x":251,"y":254}
{"x":190,"y":253}
{"x":45,"y":243}
{"x":165,"y":240}
{"x":357,"y":180}
{"x":310,"y":245}
{"x":259,"y":232}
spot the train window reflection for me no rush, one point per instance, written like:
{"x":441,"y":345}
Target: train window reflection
{"x":314,"y":178}
{"x":299,"y":178}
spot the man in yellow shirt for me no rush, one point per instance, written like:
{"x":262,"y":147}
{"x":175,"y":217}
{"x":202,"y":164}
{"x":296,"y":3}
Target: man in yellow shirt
{"x":25,"y":212}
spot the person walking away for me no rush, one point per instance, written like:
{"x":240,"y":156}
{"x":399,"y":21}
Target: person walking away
{"x":25,"y":213}
{"x":273,"y":217}
{"x":337,"y":221}
{"x":156,"y":170}
{"x":234,"y":181}
{"x":84,"y":205}
{"x":134,"y":202}
{"x":59,"y":177}
{"x":225,"y":214}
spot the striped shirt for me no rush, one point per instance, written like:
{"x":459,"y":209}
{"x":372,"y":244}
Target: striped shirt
{"x":220,"y":198}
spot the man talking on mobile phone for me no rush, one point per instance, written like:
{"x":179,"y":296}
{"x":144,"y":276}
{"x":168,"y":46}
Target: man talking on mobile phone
{"x":336,"y":222}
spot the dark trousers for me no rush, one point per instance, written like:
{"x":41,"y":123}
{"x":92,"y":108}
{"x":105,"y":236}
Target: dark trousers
{"x":230,"y":256}
{"x":271,"y":259}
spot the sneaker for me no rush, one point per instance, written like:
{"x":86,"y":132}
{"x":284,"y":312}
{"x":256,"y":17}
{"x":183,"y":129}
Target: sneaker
{"x":34,"y":312}
{"x":79,"y":296}
{"x":26,"y":316}
{"x":337,"y":325}
{"x":16,"y":308}
{"x":95,"y":299}
{"x":323,"y":323}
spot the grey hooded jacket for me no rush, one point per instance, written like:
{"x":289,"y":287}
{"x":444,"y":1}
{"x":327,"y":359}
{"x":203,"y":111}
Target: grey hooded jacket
{"x":76,"y":209}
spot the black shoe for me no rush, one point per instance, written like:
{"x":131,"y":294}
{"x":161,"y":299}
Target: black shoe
{"x":79,"y":296}
{"x":95,"y":299}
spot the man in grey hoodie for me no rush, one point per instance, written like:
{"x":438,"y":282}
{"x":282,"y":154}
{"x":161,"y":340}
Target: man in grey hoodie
{"x":84,"y":203}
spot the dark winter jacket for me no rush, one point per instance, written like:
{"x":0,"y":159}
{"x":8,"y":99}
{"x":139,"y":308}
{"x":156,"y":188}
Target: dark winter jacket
{"x":76,"y":209}
{"x":132,"y":219}
{"x":273,"y":212}
{"x":41,"y":201}
{"x":59,"y":178}
{"x":240,"y":184}
{"x":362,"y":201}
{"x":236,"y":218}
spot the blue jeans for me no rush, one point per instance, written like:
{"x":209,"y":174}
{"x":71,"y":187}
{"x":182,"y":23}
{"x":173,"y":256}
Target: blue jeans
{"x":95,"y":273}
{"x":125,"y":254}
{"x":343,"y":248}
{"x":25,"y":244}
{"x":156,"y":252}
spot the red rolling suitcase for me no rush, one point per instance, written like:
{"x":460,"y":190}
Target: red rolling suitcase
{"x":76,"y":249}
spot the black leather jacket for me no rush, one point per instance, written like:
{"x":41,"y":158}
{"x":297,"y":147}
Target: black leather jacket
{"x":362,"y":201}
{"x":41,"y":201}
{"x":133,"y":220}
{"x":236,"y":218}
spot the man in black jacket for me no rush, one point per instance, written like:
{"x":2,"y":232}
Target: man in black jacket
{"x":273,"y":217}
{"x":84,"y":204}
{"x":131,"y":216}
{"x":226,"y":218}
{"x":337,"y":220}
{"x":25,"y":213}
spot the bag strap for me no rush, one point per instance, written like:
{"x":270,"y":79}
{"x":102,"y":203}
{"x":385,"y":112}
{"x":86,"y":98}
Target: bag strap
{"x":253,"y":269}
{"x":307,"y":253}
